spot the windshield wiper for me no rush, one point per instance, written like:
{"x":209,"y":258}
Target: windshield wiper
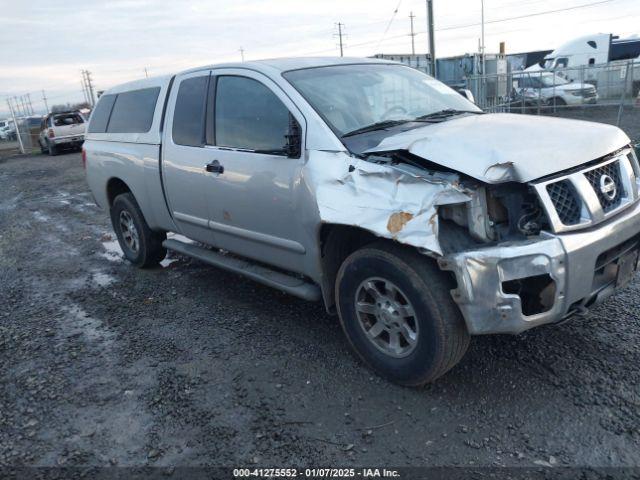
{"x":376,"y":126}
{"x":447,"y":112}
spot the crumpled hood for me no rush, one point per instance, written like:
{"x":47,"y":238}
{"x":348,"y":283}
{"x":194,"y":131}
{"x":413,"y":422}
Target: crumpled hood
{"x":503,"y":147}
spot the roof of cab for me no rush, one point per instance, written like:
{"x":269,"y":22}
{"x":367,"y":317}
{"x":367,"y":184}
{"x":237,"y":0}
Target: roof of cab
{"x":293,"y":63}
{"x":273,"y":65}
{"x":139,"y":84}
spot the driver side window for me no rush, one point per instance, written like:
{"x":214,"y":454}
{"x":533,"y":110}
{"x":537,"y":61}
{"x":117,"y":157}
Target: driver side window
{"x":248,"y":115}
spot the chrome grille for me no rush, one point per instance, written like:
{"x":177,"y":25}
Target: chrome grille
{"x":565,"y":201}
{"x":612,"y":170}
{"x":584,"y":198}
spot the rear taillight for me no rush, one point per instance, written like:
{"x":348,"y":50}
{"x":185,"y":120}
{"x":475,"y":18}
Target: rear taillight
{"x":50,"y":133}
{"x":84,"y":159}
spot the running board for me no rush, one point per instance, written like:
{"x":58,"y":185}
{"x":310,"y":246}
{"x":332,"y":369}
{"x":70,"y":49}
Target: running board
{"x":272,"y":278}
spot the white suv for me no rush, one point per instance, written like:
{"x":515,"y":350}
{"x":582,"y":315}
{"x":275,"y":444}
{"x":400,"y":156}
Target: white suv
{"x":552,"y":89}
{"x":62,"y":130}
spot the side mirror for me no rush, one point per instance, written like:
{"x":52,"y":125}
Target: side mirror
{"x":293,"y":146}
{"x":466,"y":93}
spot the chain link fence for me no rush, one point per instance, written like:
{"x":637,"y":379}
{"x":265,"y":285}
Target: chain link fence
{"x":605,"y":93}
{"x":20,"y":136}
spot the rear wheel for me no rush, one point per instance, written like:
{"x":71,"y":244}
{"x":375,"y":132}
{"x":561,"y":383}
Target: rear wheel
{"x":52,"y":149}
{"x":43,"y":150}
{"x":141,"y":245}
{"x":397,"y":312}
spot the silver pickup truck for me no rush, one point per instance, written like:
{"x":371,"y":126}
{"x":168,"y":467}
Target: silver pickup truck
{"x":416,"y":217}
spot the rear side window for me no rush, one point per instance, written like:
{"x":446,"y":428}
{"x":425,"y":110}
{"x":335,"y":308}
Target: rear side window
{"x":100,"y":116}
{"x":67,"y":119}
{"x":133,"y":111}
{"x":248,"y":115}
{"x":188,"y":117}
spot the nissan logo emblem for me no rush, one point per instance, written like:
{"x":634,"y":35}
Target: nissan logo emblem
{"x":608,"y":187}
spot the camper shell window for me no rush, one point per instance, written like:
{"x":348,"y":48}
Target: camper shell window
{"x":67,"y":119}
{"x":133,"y":111}
{"x":101,"y":114}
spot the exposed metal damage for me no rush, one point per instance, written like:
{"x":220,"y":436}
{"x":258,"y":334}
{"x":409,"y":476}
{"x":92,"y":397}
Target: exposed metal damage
{"x":395,"y":201}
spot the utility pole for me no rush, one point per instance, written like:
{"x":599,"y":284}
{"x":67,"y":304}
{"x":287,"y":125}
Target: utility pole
{"x":44,"y":99}
{"x":92,"y":97}
{"x":24,"y":106}
{"x":241,"y":50}
{"x":84,"y":88}
{"x":482,"y":47}
{"x":432,"y":38}
{"x":146,"y":74}
{"x":340,"y":25}
{"x":15,"y":123}
{"x":30,"y":104}
{"x":412,"y":35}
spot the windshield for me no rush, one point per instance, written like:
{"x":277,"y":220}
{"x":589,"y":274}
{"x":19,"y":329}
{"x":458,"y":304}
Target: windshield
{"x":350,"y":97}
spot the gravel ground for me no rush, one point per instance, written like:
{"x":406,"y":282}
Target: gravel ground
{"x":186,"y":365}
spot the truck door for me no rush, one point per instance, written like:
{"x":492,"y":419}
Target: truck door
{"x":254,"y":184}
{"x":184,"y":157}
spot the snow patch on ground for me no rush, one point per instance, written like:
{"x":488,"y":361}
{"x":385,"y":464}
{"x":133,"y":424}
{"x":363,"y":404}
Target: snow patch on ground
{"x":102,"y":279}
{"x":11,"y":203}
{"x":79,"y":321}
{"x":41,"y":217}
{"x":112,"y":252}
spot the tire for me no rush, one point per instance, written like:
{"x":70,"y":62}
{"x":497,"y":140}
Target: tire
{"x":147,"y":250}
{"x":557,"y":102}
{"x":441,"y":334}
{"x":43,"y":150}
{"x":52,"y":149}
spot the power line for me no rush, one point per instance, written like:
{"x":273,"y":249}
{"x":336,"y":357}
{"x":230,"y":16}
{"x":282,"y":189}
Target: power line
{"x":386,"y":30}
{"x":454,"y":27}
{"x":518,"y":17}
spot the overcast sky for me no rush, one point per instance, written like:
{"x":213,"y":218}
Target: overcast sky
{"x":45,"y":44}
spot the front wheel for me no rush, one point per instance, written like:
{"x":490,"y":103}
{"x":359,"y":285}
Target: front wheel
{"x":396,"y":309}
{"x":558,"y":102}
{"x":141,"y":245}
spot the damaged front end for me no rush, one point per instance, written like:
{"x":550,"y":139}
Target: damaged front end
{"x":516,"y":265}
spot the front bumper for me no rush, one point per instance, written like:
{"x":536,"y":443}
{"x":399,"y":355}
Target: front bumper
{"x":582,"y":265}
{"x":577,"y":100}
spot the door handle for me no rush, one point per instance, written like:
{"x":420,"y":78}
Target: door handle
{"x":214,"y":167}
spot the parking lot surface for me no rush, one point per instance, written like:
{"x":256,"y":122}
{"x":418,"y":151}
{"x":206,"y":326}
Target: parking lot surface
{"x":104,"y":364}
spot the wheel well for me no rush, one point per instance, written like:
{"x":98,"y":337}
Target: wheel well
{"x":115,"y":187}
{"x":337,"y":243}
